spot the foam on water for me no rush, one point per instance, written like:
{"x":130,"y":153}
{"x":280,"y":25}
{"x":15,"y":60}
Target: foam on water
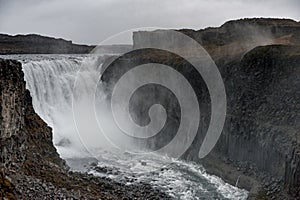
{"x":50,"y":79}
{"x":179,"y":179}
{"x":51,"y":84}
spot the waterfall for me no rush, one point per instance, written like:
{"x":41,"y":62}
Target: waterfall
{"x":51,"y":84}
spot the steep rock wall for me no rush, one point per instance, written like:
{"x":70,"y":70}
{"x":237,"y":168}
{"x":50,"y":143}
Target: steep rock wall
{"x":260,"y":141}
{"x":12,"y":123}
{"x":30,"y":167}
{"x":22,"y":130}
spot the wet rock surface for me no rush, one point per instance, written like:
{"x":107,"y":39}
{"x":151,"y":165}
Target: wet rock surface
{"x":259,"y":147}
{"x":30,"y":165}
{"x":259,"y":60}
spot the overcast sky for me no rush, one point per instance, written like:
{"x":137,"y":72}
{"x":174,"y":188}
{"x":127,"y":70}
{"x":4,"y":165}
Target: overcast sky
{"x":91,"y":21}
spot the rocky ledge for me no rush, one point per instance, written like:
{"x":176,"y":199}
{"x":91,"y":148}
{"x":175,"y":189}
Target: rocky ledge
{"x":30,"y":167}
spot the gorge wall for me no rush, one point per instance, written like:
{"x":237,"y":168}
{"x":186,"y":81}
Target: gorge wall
{"x":262,"y":127}
{"x":259,"y":148}
{"x":30,"y":167}
{"x":26,"y":140}
{"x":259,"y":60}
{"x":24,"y":135}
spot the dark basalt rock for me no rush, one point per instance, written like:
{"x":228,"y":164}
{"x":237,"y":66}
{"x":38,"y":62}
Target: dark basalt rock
{"x":12,"y":124}
{"x":30,"y":167}
{"x":7,"y":189}
{"x":259,"y":60}
{"x":262,"y":125}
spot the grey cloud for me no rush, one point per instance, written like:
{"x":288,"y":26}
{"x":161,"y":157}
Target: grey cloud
{"x":91,"y":21}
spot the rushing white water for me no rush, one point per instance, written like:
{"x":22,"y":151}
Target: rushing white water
{"x":50,"y":79}
{"x":51,"y":85}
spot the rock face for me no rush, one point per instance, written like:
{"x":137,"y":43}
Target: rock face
{"x":30,"y":167}
{"x":259,"y":60}
{"x":12,"y":126}
{"x":262,"y":125}
{"x":22,"y":130}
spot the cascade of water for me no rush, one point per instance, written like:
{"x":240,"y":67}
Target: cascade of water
{"x":51,"y":84}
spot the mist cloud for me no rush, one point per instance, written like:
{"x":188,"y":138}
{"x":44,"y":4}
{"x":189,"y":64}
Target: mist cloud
{"x":92,"y":21}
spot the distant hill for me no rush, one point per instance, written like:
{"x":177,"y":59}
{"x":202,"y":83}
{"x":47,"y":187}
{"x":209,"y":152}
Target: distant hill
{"x":234,"y":38}
{"x":37,"y":44}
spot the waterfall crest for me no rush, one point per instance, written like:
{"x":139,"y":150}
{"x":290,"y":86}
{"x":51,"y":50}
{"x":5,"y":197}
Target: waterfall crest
{"x":51,"y":84}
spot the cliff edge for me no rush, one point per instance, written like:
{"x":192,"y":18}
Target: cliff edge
{"x":37,"y":44}
{"x":259,"y":61}
{"x":30,"y":167}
